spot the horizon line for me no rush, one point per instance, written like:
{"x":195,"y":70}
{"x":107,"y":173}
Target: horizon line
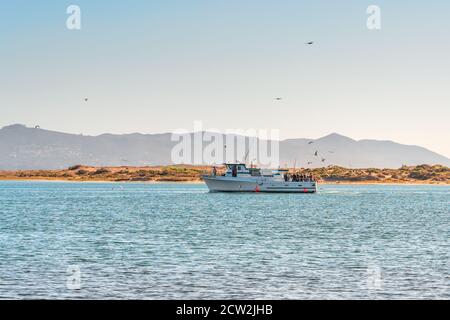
{"x":37,"y":127}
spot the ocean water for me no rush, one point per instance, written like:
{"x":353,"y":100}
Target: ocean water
{"x":177,"y":241}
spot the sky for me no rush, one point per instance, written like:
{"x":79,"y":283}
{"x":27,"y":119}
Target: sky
{"x":158,"y":66}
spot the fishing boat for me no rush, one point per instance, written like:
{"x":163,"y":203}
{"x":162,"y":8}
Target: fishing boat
{"x":239,"y":178}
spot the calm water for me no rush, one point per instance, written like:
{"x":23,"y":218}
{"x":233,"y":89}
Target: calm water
{"x":178,"y":241}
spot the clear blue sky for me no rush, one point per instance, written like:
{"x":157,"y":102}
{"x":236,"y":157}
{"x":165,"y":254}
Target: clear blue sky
{"x":155,"y":66}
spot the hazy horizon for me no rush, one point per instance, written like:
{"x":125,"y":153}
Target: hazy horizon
{"x":154,"y":67}
{"x":191,"y":131}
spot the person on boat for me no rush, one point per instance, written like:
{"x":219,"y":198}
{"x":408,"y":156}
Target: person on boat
{"x":286,"y":177}
{"x":234,"y":171}
{"x":214,"y":171}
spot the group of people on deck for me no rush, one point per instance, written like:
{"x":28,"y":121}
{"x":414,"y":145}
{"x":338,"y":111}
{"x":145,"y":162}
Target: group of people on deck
{"x":297,"y":177}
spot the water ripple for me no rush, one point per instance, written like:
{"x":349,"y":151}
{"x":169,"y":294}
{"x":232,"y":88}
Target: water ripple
{"x":167,"y":241}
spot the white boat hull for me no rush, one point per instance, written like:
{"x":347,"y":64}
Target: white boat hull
{"x":234,"y":184}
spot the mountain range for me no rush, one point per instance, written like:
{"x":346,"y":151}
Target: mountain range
{"x":23,"y":148}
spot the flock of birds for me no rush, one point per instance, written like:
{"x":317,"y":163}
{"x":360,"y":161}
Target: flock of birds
{"x":316,"y":154}
{"x":277,"y":98}
{"x":307,"y":43}
{"x":38,"y":126}
{"x":86,"y":99}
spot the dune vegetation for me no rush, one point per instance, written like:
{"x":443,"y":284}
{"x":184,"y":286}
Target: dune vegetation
{"x":427,"y":174}
{"x":405,"y":174}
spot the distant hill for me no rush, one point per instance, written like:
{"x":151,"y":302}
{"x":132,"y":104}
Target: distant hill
{"x":34,"y":148}
{"x":345,"y":152}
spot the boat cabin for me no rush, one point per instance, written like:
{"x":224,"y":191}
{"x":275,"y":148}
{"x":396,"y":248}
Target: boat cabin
{"x":236,"y":169}
{"x":241,"y":170}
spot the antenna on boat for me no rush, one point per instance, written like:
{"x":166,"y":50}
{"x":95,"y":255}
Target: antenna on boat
{"x":249,"y":148}
{"x":224,"y":153}
{"x":246,"y":155}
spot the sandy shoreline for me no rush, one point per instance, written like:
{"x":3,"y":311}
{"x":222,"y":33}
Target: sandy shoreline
{"x":331,"y":175}
{"x":97,"y":181}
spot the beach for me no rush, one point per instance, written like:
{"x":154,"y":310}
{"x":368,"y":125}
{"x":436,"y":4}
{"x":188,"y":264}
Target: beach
{"x":414,"y":175}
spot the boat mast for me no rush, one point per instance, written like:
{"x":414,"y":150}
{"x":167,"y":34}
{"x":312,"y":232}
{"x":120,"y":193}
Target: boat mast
{"x":248,"y":150}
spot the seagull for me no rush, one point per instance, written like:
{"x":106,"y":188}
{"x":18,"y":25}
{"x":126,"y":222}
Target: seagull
{"x":86,"y":99}
{"x":323,"y":159}
{"x":309,"y":162}
{"x":316,"y":153}
{"x":37,"y":127}
{"x":309,"y":42}
{"x":311,"y":142}
{"x":278,"y":99}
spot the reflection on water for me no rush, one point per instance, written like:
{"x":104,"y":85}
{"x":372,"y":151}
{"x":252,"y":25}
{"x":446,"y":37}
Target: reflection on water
{"x":163,"y":241}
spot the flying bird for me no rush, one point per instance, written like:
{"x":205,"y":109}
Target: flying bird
{"x":278,"y":99}
{"x":309,"y":162}
{"x":316,"y":153}
{"x":311,"y":142}
{"x":37,"y":127}
{"x":309,"y":42}
{"x":86,"y":99}
{"x":323,"y":159}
